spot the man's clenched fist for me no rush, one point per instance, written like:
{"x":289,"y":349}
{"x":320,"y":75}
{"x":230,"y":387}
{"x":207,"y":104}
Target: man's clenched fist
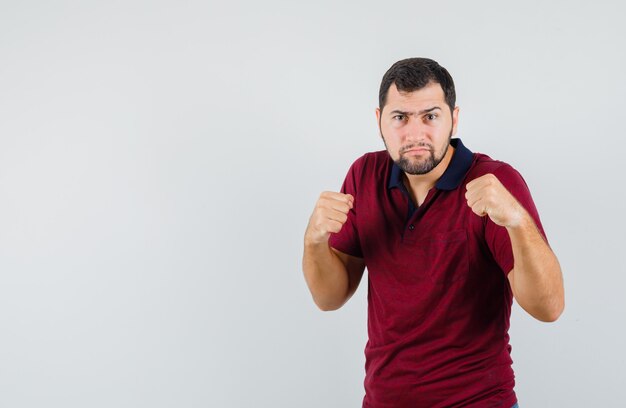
{"x":329,"y":215}
{"x":487,"y":196}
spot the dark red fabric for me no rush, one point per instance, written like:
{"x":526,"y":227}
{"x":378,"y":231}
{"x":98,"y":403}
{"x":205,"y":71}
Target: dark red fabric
{"x":439,"y":300}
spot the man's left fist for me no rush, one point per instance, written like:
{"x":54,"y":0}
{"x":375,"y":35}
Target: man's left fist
{"x":487,"y":196}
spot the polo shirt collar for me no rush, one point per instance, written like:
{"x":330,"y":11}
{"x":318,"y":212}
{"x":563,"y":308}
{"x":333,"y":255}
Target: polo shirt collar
{"x":451,"y":178}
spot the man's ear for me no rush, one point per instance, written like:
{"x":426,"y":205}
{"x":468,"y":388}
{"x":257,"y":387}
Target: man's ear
{"x":378,"y":113}
{"x":455,"y":120}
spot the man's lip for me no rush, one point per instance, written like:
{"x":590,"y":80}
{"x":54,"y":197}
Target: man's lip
{"x":417,"y":149}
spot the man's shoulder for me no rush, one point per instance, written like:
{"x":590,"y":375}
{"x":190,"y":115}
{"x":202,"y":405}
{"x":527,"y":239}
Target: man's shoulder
{"x":370,"y":169}
{"x":483,"y":164}
{"x":371,"y":161}
{"x":380,"y":156}
{"x":510,"y":177}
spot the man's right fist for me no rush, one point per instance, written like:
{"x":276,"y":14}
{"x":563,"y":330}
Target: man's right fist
{"x":329,"y":215}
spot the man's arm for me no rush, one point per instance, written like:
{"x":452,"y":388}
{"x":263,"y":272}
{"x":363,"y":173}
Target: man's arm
{"x":536,"y":278}
{"x":332,"y":276}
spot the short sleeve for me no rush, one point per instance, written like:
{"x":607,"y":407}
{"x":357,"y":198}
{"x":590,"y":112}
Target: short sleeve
{"x":497,"y":237}
{"x":347,"y":240}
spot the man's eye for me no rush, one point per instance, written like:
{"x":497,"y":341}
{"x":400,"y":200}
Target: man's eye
{"x":399,"y":117}
{"x":431,"y":116}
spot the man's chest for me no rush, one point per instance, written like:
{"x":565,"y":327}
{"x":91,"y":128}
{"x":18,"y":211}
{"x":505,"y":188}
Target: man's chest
{"x":430,"y":246}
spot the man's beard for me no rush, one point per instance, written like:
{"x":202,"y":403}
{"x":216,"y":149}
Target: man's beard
{"x":421,"y":166}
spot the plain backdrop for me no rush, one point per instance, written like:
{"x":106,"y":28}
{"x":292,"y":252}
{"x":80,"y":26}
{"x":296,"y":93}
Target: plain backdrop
{"x":159,"y":161}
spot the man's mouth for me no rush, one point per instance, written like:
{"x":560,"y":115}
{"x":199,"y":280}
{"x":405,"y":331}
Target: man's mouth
{"x":415,"y":149}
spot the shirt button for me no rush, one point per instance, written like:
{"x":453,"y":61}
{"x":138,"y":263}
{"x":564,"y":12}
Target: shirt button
{"x":411,"y":227}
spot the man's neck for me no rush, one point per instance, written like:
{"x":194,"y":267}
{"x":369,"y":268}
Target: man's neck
{"x":418,"y":185}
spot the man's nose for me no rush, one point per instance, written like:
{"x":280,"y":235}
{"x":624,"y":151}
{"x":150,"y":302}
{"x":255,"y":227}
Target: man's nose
{"x":415,"y":131}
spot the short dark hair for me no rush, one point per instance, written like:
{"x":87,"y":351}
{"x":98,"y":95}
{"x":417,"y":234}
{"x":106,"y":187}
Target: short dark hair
{"x":412,"y":74}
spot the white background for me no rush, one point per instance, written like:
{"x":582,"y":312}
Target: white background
{"x":159,"y":161}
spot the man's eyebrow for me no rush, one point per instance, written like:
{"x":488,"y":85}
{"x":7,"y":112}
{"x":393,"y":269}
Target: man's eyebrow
{"x":405,"y":113}
{"x":428,"y":110}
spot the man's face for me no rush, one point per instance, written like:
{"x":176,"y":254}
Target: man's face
{"x":416,"y":127}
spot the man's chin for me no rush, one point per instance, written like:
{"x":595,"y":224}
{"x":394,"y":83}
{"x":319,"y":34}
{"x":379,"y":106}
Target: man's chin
{"x":415,"y":167}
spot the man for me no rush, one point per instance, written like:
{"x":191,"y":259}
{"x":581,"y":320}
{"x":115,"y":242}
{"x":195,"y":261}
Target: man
{"x":448,"y":237}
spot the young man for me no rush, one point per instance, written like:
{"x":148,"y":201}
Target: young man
{"x":448,"y":237}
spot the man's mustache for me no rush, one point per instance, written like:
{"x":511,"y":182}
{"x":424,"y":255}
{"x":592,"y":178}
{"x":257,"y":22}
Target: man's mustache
{"x":414,"y":145}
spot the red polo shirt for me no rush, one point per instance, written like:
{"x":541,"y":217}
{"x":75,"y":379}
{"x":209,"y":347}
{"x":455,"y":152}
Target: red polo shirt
{"x":439,"y":300}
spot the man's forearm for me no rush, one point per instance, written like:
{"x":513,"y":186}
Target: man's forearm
{"x":325,"y":275}
{"x":536,"y":278}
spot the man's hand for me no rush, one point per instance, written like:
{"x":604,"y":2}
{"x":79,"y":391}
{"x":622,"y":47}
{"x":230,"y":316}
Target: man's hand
{"x":329,"y":215}
{"x":331,"y":275}
{"x":487,"y":196}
